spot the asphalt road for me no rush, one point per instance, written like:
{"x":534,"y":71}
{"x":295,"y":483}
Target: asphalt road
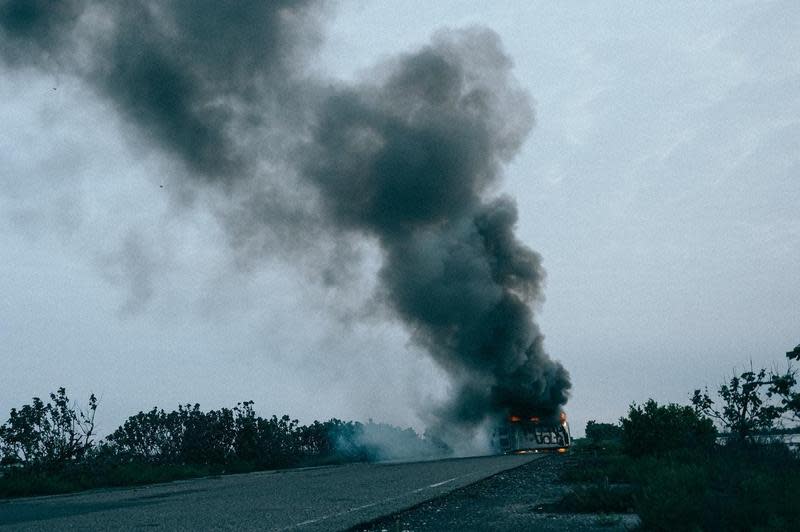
{"x":323,"y":498}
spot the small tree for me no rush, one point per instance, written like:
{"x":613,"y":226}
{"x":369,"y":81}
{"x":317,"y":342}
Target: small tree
{"x":751,"y":402}
{"x":785,"y":387}
{"x":48,"y":434}
{"x":657,"y":429}
{"x":794,"y":354}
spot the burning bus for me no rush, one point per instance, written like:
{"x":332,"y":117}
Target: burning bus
{"x":532,"y":434}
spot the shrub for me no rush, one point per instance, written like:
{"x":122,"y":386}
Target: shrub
{"x":598,"y":498}
{"x":190,"y":436}
{"x":47,"y":435}
{"x":238,"y":438}
{"x":656,"y":429}
{"x":598,"y":467}
{"x":150,"y":437}
{"x":735,"y":488}
{"x":208,"y":437}
{"x":52,"y":450}
{"x":599,"y":433}
{"x":673,"y":495}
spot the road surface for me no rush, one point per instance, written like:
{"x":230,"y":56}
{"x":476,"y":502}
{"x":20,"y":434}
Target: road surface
{"x":323,"y":498}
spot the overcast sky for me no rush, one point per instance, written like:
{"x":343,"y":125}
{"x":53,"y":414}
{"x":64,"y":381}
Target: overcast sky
{"x":660,"y":184}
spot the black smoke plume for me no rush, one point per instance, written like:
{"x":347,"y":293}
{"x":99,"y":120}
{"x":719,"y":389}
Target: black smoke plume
{"x":33,"y":30}
{"x":412,"y":161}
{"x":197,"y":77}
{"x":411,"y":158}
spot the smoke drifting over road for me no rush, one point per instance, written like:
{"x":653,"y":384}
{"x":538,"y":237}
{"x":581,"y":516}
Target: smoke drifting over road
{"x":409,"y":158}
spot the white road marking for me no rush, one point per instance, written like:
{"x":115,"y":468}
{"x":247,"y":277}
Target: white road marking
{"x":444,"y":482}
{"x":387,"y":499}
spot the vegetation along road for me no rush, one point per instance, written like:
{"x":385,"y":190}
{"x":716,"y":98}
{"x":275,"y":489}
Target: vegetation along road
{"x":321,"y":498}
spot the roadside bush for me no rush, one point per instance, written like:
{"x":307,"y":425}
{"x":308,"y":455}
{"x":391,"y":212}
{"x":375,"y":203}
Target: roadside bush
{"x":26,"y":482}
{"x":656,"y":429}
{"x":598,"y":498}
{"x":673,"y":496}
{"x":48,"y":447}
{"x":207,"y":437}
{"x":277,"y":442}
{"x":47,"y":435}
{"x":735,"y":488}
{"x":590,"y":466}
{"x":150,"y":437}
{"x":603,"y":433}
{"x":190,"y":436}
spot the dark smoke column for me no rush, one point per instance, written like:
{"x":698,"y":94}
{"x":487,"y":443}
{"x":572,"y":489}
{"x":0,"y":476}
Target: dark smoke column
{"x":411,"y":160}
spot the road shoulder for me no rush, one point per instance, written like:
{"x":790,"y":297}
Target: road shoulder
{"x":515,"y":499}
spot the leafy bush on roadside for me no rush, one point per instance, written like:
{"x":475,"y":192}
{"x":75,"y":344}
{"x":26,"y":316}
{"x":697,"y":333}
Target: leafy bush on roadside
{"x":87,"y":475}
{"x":672,"y":495}
{"x":49,"y":448}
{"x":598,"y":498}
{"x":150,"y":437}
{"x":655,"y":429}
{"x":735,"y":488}
{"x":238,"y":436}
{"x":607,"y":465}
{"x":601,"y":433}
{"x":47,"y":435}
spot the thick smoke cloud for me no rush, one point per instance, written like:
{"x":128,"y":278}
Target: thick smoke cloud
{"x":410,"y":159}
{"x":34,"y":30}
{"x":197,"y":74}
{"x":197,"y":77}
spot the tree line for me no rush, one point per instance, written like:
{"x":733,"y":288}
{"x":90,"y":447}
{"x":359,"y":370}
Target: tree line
{"x":52,"y":446}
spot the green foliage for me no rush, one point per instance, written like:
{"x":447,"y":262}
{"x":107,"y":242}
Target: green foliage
{"x":790,"y":396}
{"x":794,"y":354}
{"x":672,"y":496}
{"x":598,"y":498}
{"x":47,"y":435}
{"x":88,"y":475}
{"x":742,"y":487}
{"x":149,"y":437}
{"x":238,"y":436}
{"x":48,"y":448}
{"x":750,"y":403}
{"x":656,"y":429}
{"x":599,"y":433}
{"x":735,"y":488}
{"x":679,"y":479}
{"x":754,"y":402}
{"x":604,"y":465}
